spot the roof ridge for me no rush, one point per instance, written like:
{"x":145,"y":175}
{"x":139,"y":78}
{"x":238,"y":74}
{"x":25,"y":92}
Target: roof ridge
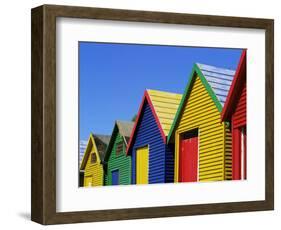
{"x":162,"y":91}
{"x":218,"y":99}
{"x":217,"y":67}
{"x":124,"y":121}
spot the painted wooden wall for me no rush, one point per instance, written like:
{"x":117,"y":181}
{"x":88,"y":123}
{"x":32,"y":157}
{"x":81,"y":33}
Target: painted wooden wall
{"x":214,"y":136}
{"x":239,"y":115}
{"x":148,"y":133}
{"x":238,"y":120}
{"x":122,"y":162}
{"x":93,"y":171}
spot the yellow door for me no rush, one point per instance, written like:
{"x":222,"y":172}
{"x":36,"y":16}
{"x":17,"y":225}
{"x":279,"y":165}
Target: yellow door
{"x":87,"y":181}
{"x":142,"y":165}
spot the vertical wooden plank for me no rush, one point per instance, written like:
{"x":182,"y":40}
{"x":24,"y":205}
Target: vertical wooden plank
{"x":224,"y":149}
{"x":245,"y":154}
{"x":181,"y":156}
{"x":146,"y":164}
{"x":43,"y":114}
{"x":177,"y":149}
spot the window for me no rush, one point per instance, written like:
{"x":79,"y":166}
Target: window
{"x":119,"y":148}
{"x":93,"y":158}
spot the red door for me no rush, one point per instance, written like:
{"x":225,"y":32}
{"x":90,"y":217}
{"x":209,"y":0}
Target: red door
{"x":239,"y":153}
{"x":188,"y":165}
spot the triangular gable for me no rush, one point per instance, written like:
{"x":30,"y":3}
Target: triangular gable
{"x":122,"y":127}
{"x":216,"y":81}
{"x":125,"y":129}
{"x":101,"y":142}
{"x":235,"y":89}
{"x":90,"y":144}
{"x":219,"y":79}
{"x":163,"y":106}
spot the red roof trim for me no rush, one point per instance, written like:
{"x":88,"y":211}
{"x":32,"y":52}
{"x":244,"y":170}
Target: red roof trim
{"x":235,"y":87}
{"x":135,"y":125}
{"x":156,"y":117}
{"x":145,"y":98}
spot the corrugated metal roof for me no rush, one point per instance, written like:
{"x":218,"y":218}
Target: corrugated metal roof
{"x":125,"y":128}
{"x":219,"y":79}
{"x":82,"y":148}
{"x":165,"y":105}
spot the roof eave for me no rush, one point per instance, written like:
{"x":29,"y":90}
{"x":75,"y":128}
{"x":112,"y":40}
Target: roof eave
{"x":146,"y":97}
{"x":86,"y":155}
{"x":135,"y":124}
{"x":230,"y":100}
{"x":196,"y":70}
{"x":184,"y":96}
{"x":111,"y":141}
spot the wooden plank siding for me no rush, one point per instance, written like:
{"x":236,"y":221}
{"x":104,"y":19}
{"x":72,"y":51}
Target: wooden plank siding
{"x":235,"y":112}
{"x":200,"y":112}
{"x":165,"y":105}
{"x":148,"y":134}
{"x":120,"y":162}
{"x":153,"y":123}
{"x":240,"y":113}
{"x":93,"y":175}
{"x":238,"y":121}
{"x":228,"y":153}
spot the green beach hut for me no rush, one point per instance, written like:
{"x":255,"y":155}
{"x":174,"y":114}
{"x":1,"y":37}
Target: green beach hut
{"x":117,"y":163}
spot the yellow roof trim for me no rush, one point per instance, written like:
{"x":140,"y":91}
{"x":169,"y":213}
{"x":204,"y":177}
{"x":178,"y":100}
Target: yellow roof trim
{"x":91,"y":143}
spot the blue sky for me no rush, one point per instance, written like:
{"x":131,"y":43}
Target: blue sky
{"x":113,"y":77}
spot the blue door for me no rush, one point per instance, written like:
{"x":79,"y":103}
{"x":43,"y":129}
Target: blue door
{"x":115,"y":177}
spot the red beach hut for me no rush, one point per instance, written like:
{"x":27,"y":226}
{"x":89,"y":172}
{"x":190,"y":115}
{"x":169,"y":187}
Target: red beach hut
{"x":234,"y":111}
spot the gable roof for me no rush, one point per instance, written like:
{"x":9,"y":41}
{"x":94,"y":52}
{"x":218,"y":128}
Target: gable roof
{"x":125,"y":129}
{"x":235,"y":89}
{"x":101,"y":142}
{"x":217,"y":82}
{"x":219,"y":79}
{"x":164,"y":106}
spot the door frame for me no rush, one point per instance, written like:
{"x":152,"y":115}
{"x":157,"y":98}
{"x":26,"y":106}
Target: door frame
{"x":239,"y":159}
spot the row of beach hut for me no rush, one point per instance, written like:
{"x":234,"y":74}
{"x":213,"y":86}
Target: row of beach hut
{"x":197,"y":136}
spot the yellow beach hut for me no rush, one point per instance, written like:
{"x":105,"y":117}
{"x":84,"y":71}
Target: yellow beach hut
{"x":93,"y":160}
{"x":202,"y":141}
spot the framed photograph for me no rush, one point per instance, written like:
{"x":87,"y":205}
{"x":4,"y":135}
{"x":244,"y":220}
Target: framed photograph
{"x":140,"y":114}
